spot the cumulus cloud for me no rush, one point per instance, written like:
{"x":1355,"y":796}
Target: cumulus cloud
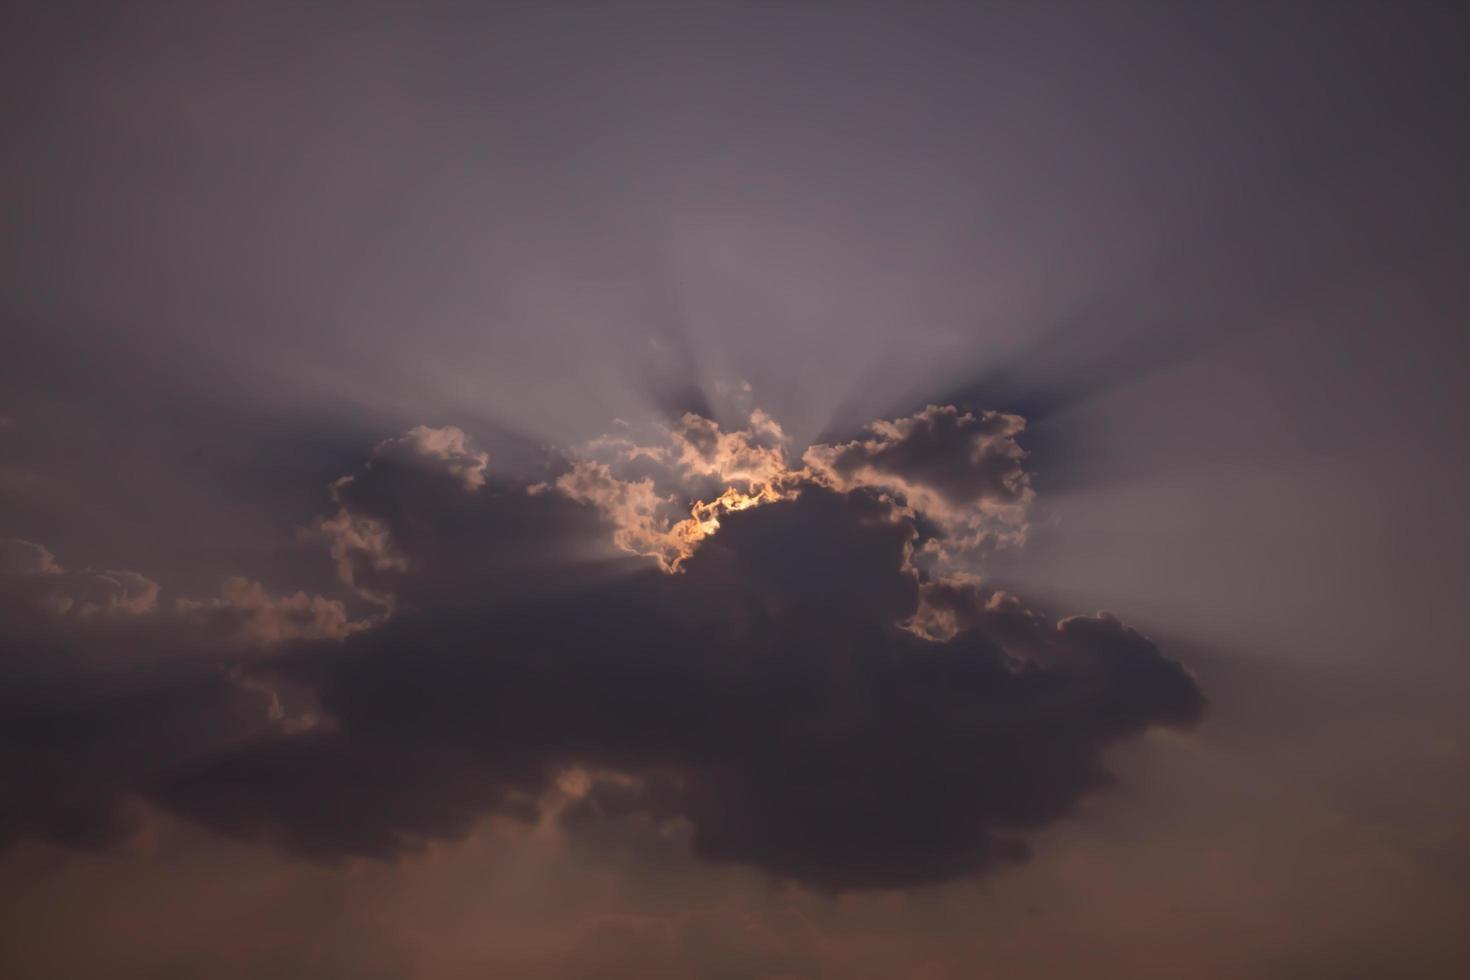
{"x":955,"y":601}
{"x":105,"y":687}
{"x":448,"y":446}
{"x":960,"y":474}
{"x":410,"y":529}
{"x":639,"y":515}
{"x":245,"y":610}
{"x":360,"y":544}
{"x":964,"y":470}
{"x":34,"y":576}
{"x":361,"y":548}
{"x":19,"y":557}
{"x":37,"y":588}
{"x":771,"y":677}
{"x":91,"y":706}
{"x":751,"y":457}
{"x":665,"y":495}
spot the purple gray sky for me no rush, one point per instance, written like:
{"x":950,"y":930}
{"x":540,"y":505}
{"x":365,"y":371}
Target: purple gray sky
{"x":734,"y":491}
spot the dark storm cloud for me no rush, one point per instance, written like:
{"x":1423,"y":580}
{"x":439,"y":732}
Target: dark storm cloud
{"x":412,"y":529}
{"x":963,"y":470}
{"x":962,"y":456}
{"x":793,"y":691}
{"x":797,"y":695}
{"x":88,"y":709}
{"x":105,"y":685}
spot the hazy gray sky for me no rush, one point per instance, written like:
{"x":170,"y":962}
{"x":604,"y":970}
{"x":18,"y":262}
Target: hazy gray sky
{"x":1214,"y":255}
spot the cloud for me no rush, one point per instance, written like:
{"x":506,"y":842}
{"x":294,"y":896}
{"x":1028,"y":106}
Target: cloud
{"x":964,"y":470}
{"x":410,"y":529}
{"x":360,"y":544}
{"x":245,"y":610}
{"x":19,"y":557}
{"x":751,"y":457}
{"x":448,"y":446}
{"x":361,"y":548}
{"x":960,"y":474}
{"x":786,"y":690}
{"x":106,"y":687}
{"x":666,"y":494}
{"x":638,"y":513}
{"x":34,"y":577}
{"x":326,"y":795}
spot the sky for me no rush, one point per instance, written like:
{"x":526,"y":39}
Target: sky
{"x":734,"y":491}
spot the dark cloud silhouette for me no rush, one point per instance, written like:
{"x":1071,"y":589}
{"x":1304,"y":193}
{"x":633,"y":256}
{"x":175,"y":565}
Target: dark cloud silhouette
{"x":796,"y":694}
{"x":964,"y":457}
{"x":88,"y":709}
{"x":104,"y":686}
{"x":963,"y":470}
